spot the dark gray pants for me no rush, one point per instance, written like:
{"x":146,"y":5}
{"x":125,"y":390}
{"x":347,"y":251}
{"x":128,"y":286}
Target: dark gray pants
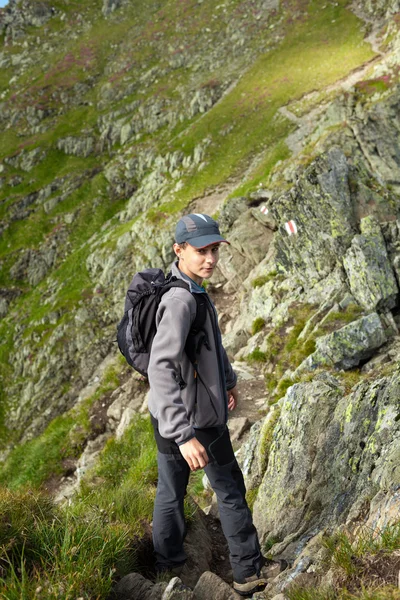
{"x":169,"y":527}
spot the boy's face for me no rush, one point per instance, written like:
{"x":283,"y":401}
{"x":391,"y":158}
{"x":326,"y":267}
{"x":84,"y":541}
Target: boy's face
{"x":197,"y":263}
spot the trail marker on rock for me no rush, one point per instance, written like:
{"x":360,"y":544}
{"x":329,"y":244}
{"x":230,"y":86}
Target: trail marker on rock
{"x":264,"y":210}
{"x":291,"y":227}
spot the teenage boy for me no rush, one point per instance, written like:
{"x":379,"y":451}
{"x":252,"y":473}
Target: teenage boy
{"x":189,"y":402}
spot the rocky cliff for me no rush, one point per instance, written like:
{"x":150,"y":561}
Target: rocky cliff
{"x":281,"y":118}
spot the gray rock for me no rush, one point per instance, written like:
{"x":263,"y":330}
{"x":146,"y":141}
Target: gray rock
{"x":231,"y":210}
{"x":198,"y":547}
{"x":34,"y":265}
{"x":210,"y":586}
{"x":320,"y":206}
{"x":3,"y":307}
{"x":17,"y":16}
{"x":77,"y":146}
{"x":30,"y":159}
{"x":330,"y":454}
{"x":135,"y":587}
{"x":203,"y":99}
{"x":240,"y":257}
{"x":26,"y":160}
{"x":176,"y":590}
{"x":370,"y":274}
{"x":129,"y":396}
{"x":379,"y":8}
{"x":348,"y":346}
{"x":248,"y":457}
{"x":237,"y":427}
{"x":254,"y":455}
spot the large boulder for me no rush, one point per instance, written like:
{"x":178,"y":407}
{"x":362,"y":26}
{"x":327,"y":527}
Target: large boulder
{"x":370,"y":274}
{"x":330,"y":456}
{"x":320,"y":209}
{"x":348,"y":346}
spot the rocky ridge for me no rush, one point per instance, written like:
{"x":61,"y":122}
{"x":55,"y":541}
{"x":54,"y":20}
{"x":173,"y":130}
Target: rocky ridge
{"x":327,"y":240}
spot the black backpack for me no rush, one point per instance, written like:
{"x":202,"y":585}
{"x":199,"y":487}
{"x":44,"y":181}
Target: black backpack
{"x":137,"y":328}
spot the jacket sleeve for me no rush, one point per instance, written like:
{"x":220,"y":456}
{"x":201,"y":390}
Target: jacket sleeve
{"x":230,"y":375}
{"x":174,"y":317}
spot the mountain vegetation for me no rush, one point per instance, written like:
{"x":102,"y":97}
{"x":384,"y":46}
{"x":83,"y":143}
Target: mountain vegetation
{"x":281,"y":119}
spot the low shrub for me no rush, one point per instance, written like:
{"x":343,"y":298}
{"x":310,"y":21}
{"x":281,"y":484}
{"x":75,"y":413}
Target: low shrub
{"x":257,"y":325}
{"x":257,"y":356}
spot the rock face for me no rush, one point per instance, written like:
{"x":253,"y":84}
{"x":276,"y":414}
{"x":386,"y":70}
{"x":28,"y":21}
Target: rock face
{"x":76,"y":146}
{"x":370,"y":274}
{"x":348,"y":346}
{"x":20,"y":14}
{"x":331,"y":457}
{"x":382,"y":7}
{"x":325,"y":226}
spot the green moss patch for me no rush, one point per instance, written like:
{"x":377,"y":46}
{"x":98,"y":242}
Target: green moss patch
{"x":263,"y":279}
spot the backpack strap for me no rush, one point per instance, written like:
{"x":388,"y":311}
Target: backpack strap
{"x":197,"y":336}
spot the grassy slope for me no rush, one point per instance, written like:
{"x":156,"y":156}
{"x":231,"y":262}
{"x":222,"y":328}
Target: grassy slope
{"x":319,"y":47}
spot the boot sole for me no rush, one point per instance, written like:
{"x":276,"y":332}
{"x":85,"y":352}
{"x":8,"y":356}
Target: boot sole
{"x":247,"y":589}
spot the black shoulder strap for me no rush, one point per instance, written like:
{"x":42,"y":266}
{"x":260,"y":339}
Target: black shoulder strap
{"x":170,"y":282}
{"x":197,"y":336}
{"x":201,"y":313}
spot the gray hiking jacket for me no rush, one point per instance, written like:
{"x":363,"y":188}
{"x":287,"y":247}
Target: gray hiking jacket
{"x":179,"y":400}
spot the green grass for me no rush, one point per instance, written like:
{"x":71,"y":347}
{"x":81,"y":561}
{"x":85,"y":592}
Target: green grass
{"x":276,"y":78}
{"x":51,"y":553}
{"x":257,"y":325}
{"x":361,"y":565}
{"x":266,"y":438}
{"x":257,"y":356}
{"x":127,"y":470}
{"x":284,"y":350}
{"x":33,"y":462}
{"x":344,"y":551}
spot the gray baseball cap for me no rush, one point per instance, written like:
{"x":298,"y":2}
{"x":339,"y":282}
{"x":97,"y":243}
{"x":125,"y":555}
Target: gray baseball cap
{"x":198,"y":230}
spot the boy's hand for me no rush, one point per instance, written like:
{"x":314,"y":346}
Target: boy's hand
{"x":233,"y":397}
{"x":195,"y":454}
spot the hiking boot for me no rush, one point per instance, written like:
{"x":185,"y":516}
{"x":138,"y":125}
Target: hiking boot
{"x":255,"y":583}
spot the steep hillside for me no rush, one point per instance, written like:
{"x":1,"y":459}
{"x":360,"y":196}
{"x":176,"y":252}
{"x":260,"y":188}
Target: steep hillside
{"x":115,"y":118}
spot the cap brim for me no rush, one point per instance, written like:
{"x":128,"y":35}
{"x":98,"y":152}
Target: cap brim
{"x":207,"y":240}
